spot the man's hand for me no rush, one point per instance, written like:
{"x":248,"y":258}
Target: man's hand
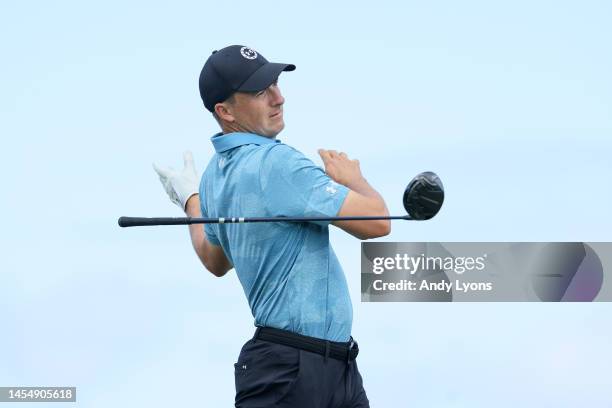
{"x":180,"y":186}
{"x":362,"y":200}
{"x":340,"y":168}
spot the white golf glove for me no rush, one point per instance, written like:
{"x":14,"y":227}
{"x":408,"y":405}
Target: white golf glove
{"x":180,"y":186}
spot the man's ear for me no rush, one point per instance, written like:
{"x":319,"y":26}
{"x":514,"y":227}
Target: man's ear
{"x":224,"y":112}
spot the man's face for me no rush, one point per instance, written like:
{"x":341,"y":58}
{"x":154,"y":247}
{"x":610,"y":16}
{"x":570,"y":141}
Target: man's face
{"x":259,"y":112}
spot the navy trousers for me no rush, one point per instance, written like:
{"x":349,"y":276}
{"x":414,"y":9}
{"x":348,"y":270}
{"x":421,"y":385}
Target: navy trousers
{"x":274,"y":375}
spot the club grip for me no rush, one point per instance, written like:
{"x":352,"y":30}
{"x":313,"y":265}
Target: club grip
{"x":144,"y":221}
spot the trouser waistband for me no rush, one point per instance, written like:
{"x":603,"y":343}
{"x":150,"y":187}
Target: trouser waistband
{"x":338,"y":350}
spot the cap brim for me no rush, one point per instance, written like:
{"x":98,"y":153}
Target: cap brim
{"x":264,"y":76}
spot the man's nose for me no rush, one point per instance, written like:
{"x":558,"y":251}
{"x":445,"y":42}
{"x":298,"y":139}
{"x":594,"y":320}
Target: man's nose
{"x":277,"y":96}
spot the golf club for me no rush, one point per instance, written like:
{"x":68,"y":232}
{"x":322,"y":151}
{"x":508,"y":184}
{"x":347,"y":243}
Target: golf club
{"x":422,"y":200}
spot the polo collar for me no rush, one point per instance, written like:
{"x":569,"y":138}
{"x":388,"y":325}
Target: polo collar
{"x":223,"y":142}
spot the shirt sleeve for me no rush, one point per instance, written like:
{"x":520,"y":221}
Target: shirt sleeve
{"x":293,"y":186}
{"x":209,"y":229}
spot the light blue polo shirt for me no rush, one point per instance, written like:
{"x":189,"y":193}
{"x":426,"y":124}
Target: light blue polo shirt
{"x":289,"y":271}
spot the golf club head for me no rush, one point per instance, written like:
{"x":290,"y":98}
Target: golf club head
{"x":424,"y":196}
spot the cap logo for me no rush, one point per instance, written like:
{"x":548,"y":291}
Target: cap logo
{"x":248,"y":53}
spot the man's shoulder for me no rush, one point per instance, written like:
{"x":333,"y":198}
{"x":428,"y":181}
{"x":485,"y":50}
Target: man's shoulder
{"x":280,"y":146}
{"x":281,"y":152}
{"x":212,"y":163}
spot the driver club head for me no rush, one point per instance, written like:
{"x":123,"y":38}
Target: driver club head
{"x":424,"y":196}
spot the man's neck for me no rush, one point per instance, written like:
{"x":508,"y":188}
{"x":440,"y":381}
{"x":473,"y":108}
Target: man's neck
{"x":226,"y":130}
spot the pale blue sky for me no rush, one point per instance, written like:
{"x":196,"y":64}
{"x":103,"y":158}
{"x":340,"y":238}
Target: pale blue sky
{"x":510,"y":103}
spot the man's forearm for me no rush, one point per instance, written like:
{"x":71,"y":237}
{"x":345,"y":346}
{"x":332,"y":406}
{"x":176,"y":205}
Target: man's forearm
{"x":196,"y":232}
{"x":364,"y":188}
{"x":212,"y":256}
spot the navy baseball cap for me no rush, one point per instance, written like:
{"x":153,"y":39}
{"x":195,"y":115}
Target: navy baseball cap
{"x":236,"y":68}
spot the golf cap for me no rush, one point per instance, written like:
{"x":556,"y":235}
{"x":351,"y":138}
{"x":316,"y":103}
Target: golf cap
{"x":236,"y":68}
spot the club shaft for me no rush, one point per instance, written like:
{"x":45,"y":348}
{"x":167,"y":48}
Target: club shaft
{"x":144,"y":221}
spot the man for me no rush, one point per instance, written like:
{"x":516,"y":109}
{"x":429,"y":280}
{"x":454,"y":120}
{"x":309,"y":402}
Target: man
{"x":302,"y":353}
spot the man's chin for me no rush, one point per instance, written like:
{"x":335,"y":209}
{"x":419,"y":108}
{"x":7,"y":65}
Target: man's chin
{"x":276,"y":130}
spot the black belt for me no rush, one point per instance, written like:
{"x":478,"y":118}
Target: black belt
{"x":340,"y":351}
